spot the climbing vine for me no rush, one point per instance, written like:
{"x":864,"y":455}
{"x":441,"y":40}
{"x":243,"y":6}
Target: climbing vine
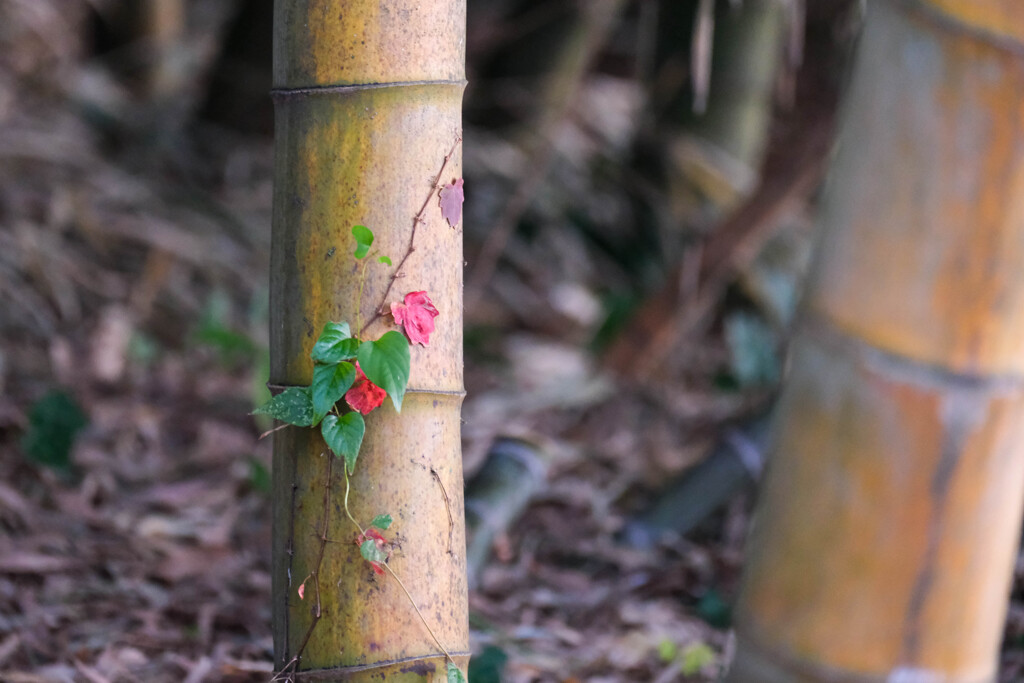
{"x":352,"y":376}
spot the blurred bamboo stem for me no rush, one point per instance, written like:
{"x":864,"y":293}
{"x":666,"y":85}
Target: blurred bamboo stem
{"x":674,"y":313}
{"x":165,"y":28}
{"x":716,"y":145}
{"x":735,"y":463}
{"x":513,"y":473}
{"x":886,"y":532}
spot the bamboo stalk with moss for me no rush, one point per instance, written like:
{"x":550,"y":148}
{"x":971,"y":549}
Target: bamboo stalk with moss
{"x":368,"y":109}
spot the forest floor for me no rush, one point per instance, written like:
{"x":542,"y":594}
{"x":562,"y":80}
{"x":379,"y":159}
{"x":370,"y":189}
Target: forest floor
{"x":135,"y":497}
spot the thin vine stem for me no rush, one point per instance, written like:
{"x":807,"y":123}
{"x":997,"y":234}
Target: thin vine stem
{"x":362,"y":282}
{"x":347,"y":513}
{"x":418,"y":612}
{"x":395,"y":576}
{"x":293,"y":663}
{"x":416,"y":220}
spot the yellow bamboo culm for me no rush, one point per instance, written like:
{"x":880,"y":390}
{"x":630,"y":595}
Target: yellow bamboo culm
{"x":884,"y":541}
{"x":368,"y":99}
{"x":1003,"y":18}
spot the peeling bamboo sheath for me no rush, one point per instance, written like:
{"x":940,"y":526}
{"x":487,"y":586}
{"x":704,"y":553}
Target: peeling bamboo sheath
{"x":886,"y":532}
{"x":368,"y":101}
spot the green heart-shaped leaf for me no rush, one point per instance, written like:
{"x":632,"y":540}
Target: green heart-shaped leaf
{"x":455,"y":674}
{"x":344,"y":436}
{"x":382,"y":522}
{"x":335,"y":344}
{"x":371,"y":553}
{"x":293,"y":405}
{"x":364,"y":240}
{"x":330,"y":382}
{"x":386,"y":363}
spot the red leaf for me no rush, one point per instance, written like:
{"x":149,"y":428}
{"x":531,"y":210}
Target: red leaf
{"x":378,"y":540}
{"x":451,"y":197}
{"x":416,"y":316}
{"x":364,"y":395}
{"x":302,"y":590}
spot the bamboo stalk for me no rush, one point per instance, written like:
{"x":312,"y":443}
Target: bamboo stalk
{"x":368,"y":104}
{"x":735,"y":463}
{"x":724,"y":138}
{"x":885,"y":537}
{"x":714,"y":131}
{"x":497,"y":495}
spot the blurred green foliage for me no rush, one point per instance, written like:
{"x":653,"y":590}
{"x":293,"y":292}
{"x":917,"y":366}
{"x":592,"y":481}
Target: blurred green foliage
{"x":53,"y":422}
{"x":713,"y":609}
{"x":488,"y":666}
{"x":753,"y":359}
{"x":216,"y":331}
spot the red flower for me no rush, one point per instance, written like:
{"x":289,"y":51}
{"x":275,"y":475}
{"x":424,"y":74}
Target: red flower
{"x":416,"y":316}
{"x":364,"y":395}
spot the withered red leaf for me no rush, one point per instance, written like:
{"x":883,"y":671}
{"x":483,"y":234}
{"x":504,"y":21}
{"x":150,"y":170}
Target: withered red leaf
{"x":451,"y":197}
{"x":364,"y":395}
{"x":416,"y":316}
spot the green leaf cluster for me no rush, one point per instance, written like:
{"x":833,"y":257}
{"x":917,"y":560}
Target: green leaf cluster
{"x":384,"y":361}
{"x":488,"y":666}
{"x":371,"y":552}
{"x":692,"y":659}
{"x":382,"y":522}
{"x":455,"y":674}
{"x":53,"y":422}
{"x":294,"y":405}
{"x":344,"y":436}
{"x":335,"y":344}
{"x":753,"y":355}
{"x":695,"y":658}
{"x":364,"y":240}
{"x":330,"y":382}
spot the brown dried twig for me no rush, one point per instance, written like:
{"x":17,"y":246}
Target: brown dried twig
{"x":416,"y":220}
{"x":293,"y":664}
{"x":447,"y":506}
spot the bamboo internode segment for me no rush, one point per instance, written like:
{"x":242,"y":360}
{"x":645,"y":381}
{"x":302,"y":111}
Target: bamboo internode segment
{"x":365,"y":614}
{"x":368,"y":100}
{"x":333,"y":42}
{"x":889,"y":517}
{"x":923,"y":247}
{"x":884,"y":541}
{"x":364,"y":157}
